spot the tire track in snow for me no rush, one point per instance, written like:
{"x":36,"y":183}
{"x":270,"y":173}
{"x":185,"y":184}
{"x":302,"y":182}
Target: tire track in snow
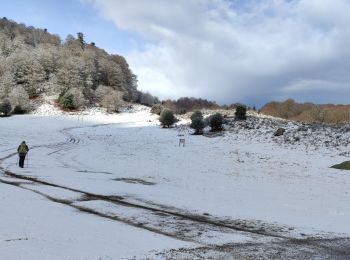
{"x":318,"y":248}
{"x":278,"y":243}
{"x":165,"y":211}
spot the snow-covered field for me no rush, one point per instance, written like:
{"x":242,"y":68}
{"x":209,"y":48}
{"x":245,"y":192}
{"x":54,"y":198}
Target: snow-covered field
{"x":118,"y":186}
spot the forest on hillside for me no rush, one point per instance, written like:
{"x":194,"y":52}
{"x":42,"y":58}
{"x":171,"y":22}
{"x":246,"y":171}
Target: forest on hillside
{"x":34,"y":62}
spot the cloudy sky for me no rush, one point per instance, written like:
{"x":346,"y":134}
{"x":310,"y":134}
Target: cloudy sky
{"x":250,"y":51}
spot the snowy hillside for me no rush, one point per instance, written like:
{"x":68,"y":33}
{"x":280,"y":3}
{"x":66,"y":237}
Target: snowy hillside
{"x":99,"y":186}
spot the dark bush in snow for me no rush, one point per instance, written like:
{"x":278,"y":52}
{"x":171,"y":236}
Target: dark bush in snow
{"x":167,"y":118}
{"x":66,"y":101}
{"x":216,"y":122}
{"x":196,"y":114}
{"x":279,"y":132}
{"x":241,"y":112}
{"x":72,"y":99}
{"x":18,"y":110}
{"x":197,"y":124}
{"x":5,"y":108}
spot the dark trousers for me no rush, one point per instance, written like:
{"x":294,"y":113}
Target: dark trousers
{"x":21,"y":160}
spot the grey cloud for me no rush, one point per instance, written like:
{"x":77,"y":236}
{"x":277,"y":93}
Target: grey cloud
{"x":226,"y":51}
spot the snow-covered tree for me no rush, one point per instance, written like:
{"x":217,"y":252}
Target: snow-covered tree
{"x":19,"y":99}
{"x":26,"y":71}
{"x":70,"y":73}
{"x":48,"y":57}
{"x":6,"y":84}
{"x":49,"y":87}
{"x":109,"y":98}
{"x":78,"y":97}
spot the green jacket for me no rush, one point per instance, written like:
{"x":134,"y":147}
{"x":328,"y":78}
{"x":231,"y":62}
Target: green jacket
{"x":22,"y":149}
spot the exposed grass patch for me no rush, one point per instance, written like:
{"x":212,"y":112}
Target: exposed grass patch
{"x":342,"y":166}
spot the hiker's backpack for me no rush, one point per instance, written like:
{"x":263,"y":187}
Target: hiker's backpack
{"x":22,"y":149}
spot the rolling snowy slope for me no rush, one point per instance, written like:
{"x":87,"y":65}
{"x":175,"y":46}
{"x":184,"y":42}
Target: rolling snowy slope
{"x":118,"y":186}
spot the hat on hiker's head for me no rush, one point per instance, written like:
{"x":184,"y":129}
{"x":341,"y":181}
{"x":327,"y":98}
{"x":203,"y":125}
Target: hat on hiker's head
{"x":23,"y":142}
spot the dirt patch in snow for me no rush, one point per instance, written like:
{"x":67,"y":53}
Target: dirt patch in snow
{"x":135,"y":181}
{"x":338,"y":248}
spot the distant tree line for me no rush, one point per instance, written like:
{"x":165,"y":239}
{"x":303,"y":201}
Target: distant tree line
{"x":34,"y":62}
{"x":187,"y":104}
{"x":308,"y":112}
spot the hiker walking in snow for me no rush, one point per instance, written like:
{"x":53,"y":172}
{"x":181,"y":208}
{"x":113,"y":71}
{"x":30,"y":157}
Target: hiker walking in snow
{"x":22,"y":152}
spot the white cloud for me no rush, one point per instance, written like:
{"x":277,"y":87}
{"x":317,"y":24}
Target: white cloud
{"x":229,"y":51}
